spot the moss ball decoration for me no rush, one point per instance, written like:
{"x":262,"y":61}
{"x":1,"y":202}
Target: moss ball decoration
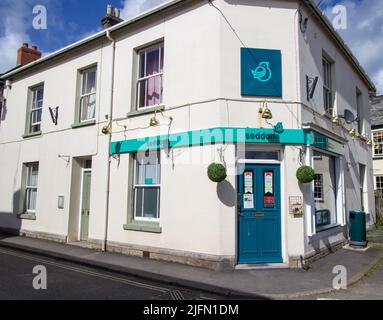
{"x":216,"y":172}
{"x":305,"y":174}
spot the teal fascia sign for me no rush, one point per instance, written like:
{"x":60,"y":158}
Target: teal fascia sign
{"x":323,"y":142}
{"x":261,"y":72}
{"x":211,"y":136}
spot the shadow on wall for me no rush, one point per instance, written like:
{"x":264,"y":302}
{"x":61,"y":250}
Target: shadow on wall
{"x":226,"y":193}
{"x":9,"y":221}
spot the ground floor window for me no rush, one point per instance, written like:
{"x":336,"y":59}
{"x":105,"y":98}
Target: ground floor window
{"x":147,"y":185}
{"x":325,"y":191}
{"x":31,"y":179}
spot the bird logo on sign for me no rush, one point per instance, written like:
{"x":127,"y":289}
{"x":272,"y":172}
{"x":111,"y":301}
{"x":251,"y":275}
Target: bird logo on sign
{"x":262,"y":72}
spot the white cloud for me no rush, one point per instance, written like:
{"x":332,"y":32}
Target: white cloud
{"x":14,"y":31}
{"x":132,"y":8}
{"x":364,"y":35}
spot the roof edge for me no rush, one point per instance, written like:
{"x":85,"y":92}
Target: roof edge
{"x":338,"y":38}
{"x":95,"y":36}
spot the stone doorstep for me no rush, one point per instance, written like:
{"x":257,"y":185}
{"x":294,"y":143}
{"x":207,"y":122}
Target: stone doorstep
{"x":356,"y":249}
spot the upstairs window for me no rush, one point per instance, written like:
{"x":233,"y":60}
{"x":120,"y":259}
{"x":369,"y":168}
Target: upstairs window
{"x":88,"y":95}
{"x":150,"y":76}
{"x":379,"y":183}
{"x":378,"y":143}
{"x":36,"y":109}
{"x":328,"y":95}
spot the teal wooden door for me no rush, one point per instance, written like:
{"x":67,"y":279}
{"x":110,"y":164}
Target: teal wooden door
{"x":259,"y":225}
{"x":85,"y":205}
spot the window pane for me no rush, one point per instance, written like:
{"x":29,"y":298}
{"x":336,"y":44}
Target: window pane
{"x":138,"y":202}
{"x":32,"y":175}
{"x":142,"y":93}
{"x":39,"y":94}
{"x":162,"y":60}
{"x":154,"y":88}
{"x":151,"y":202}
{"x":152,"y":62}
{"x":151,"y":175}
{"x":148,"y":168}
{"x":142,"y":64}
{"x":91,"y":83}
{"x":88,"y":107}
{"x":31,"y":199}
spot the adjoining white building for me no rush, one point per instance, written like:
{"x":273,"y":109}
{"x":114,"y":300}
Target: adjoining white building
{"x":377,"y":136}
{"x":280,"y":91}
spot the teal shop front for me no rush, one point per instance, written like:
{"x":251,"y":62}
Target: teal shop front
{"x":259,"y":223}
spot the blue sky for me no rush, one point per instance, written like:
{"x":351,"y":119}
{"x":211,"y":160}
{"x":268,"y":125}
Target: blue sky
{"x":71,"y":20}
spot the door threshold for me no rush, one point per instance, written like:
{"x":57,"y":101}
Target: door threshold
{"x":262,"y":266}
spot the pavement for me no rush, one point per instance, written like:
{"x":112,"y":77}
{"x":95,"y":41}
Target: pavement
{"x":251,"y":284}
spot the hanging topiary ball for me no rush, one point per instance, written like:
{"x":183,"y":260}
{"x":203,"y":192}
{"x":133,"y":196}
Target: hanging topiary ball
{"x":305,"y":174}
{"x":216,"y":172}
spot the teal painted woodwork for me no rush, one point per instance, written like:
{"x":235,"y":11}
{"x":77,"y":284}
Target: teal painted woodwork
{"x":261,"y":72}
{"x":210,"y":136}
{"x":259,"y":224}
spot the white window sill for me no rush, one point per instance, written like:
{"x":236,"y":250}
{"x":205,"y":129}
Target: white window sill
{"x":145,"y":110}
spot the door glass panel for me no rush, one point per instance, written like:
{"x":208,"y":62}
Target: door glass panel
{"x":248,"y":195}
{"x":268,"y":184}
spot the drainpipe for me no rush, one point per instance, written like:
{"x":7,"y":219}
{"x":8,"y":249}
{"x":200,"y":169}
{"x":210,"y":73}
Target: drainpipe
{"x":104,"y":244}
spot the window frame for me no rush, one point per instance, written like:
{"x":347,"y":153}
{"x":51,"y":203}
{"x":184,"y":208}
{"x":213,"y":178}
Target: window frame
{"x":321,"y":199}
{"x":328,"y":92}
{"x":318,"y":154}
{"x":379,"y":144}
{"x":150,"y":48}
{"x":32,"y":109}
{"x":82,"y":95}
{"x":359,"y":110}
{"x":137,"y":186}
{"x":380,"y":177}
{"x":29,"y":187}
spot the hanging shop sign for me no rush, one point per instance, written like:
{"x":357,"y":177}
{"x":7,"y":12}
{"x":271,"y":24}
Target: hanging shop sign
{"x":261,"y":72}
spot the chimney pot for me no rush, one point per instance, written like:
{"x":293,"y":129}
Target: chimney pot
{"x":34,"y":47}
{"x":117,"y":12}
{"x":25,"y":45}
{"x":109,"y":10}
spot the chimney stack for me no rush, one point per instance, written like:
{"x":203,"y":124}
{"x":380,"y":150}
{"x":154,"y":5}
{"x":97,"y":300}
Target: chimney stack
{"x":111,"y":18}
{"x":27,"y":55}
